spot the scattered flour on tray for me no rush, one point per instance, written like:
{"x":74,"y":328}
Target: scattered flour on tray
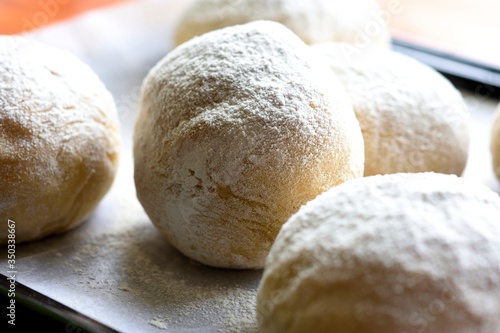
{"x":158,"y":324}
{"x":149,"y":278}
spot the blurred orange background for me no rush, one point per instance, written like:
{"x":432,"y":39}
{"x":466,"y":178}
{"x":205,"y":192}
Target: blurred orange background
{"x":468,"y":28}
{"x":23,"y":15}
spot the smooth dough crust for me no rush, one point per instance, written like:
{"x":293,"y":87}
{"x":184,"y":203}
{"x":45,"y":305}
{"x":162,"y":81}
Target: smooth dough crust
{"x":394,"y":253}
{"x":412,"y":118}
{"x":357,"y":22}
{"x":495,"y":142}
{"x":237,"y":129}
{"x":59,"y":139}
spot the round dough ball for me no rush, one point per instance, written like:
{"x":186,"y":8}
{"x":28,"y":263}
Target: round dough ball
{"x":393,"y":253}
{"x":237,"y":129}
{"x":59,"y":139}
{"x":359,"y":22}
{"x":495,"y":142}
{"x":412,"y":118}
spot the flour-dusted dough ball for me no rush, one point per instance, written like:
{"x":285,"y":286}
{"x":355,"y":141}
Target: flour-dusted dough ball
{"x":237,"y":129}
{"x":495,"y":142}
{"x":358,"y":22}
{"x":59,"y":139}
{"x":413,"y":119}
{"x":393,"y":253}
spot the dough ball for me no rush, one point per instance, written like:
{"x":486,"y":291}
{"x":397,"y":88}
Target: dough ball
{"x":495,"y":142}
{"x":359,"y":22}
{"x":412,"y":118}
{"x":237,"y":129}
{"x":393,"y":253}
{"x":59,"y":139}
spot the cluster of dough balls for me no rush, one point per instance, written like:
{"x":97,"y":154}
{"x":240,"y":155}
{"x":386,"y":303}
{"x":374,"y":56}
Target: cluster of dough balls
{"x":359,"y":22}
{"x":412,"y":118}
{"x":59,"y":139}
{"x":495,"y":142}
{"x":232,"y":137}
{"x":237,"y":129}
{"x":389,"y":253}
